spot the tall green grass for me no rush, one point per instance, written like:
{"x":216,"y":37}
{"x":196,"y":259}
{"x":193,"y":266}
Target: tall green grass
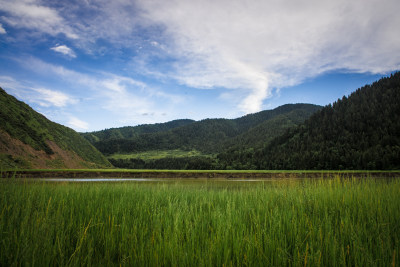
{"x":331,"y":222}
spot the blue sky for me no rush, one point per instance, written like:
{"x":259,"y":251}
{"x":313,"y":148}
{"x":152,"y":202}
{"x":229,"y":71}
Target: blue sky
{"x":92,"y":65}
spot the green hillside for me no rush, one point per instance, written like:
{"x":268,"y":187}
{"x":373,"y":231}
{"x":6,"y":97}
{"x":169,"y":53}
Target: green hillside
{"x":208,"y":136}
{"x":30,"y":140}
{"x":201,"y":140}
{"x":361,"y":131}
{"x":133,"y":131}
{"x":277,"y":122}
{"x":239,"y":151}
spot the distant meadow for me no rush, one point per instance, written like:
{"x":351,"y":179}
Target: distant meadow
{"x":295,"y":222}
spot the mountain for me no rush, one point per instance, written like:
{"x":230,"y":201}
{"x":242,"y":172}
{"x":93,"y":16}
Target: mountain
{"x":30,"y":140}
{"x":133,"y":131}
{"x":361,"y":131}
{"x":239,"y":151}
{"x":270,"y":125}
{"x":209,"y":137}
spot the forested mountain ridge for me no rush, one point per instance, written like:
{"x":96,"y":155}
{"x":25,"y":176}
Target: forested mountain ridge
{"x":208,"y":136}
{"x":195,"y":144}
{"x":133,"y":131}
{"x":361,"y":131}
{"x":29,"y":140}
{"x":261,"y":134}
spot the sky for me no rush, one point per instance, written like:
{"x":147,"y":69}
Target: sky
{"x":98,"y":64}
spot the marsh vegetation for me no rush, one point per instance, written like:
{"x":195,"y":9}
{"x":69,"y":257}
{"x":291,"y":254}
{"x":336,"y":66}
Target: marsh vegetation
{"x":325,"y":222}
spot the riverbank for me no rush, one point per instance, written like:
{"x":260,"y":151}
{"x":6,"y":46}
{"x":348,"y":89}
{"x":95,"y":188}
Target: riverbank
{"x":237,"y":174}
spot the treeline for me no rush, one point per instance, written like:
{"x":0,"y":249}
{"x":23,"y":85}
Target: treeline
{"x":168,"y":163}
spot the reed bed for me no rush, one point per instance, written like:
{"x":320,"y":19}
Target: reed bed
{"x":322,"y":222}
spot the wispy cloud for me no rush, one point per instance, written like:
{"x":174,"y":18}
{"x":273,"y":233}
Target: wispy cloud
{"x":266,"y":44}
{"x":123,"y":96}
{"x":47,"y":97}
{"x":65,"y":50}
{"x":77,"y":123}
{"x":42,"y":96}
{"x":9,"y":82}
{"x":32,"y":14}
{"x":249,"y":49}
{"x":2,"y":30}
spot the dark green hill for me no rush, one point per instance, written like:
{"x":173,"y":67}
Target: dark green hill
{"x":269,"y":126}
{"x":30,"y":140}
{"x":239,"y":151}
{"x":361,"y":131}
{"x":210,"y":137}
{"x":129,"y":132}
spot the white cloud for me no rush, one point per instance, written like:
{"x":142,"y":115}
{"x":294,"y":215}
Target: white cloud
{"x":31,"y":14}
{"x":8,"y":82}
{"x":134,"y":102}
{"x":46,"y":97}
{"x":41,"y":96}
{"x":248,"y":48}
{"x":257,"y":46}
{"x":77,"y":124}
{"x":118,"y":83}
{"x":65,"y":50}
{"x":2,"y":30}
{"x":124,"y":97}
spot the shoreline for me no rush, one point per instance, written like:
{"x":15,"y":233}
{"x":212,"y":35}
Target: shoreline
{"x":171,"y":174}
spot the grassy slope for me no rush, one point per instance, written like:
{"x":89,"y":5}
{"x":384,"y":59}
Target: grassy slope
{"x":296,"y":223}
{"x":23,"y":123}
